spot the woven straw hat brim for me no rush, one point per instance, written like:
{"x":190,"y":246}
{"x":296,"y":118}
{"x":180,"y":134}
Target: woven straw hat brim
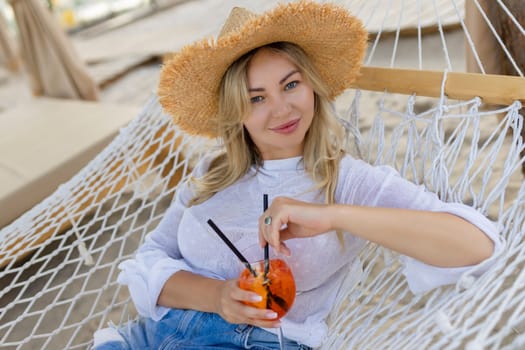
{"x":334,"y":40}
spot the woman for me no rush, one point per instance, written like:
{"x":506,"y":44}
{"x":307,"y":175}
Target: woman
{"x":265,"y":88}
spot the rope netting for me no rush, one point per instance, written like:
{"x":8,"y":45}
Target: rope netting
{"x":58,"y":261}
{"x":446,"y":149}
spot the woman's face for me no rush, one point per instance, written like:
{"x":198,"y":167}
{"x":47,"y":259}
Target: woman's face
{"x":282,"y":105}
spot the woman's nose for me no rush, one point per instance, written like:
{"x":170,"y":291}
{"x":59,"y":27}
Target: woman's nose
{"x":281,"y":107}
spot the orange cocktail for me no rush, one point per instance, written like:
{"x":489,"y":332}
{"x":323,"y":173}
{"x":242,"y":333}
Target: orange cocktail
{"x":277,"y":289}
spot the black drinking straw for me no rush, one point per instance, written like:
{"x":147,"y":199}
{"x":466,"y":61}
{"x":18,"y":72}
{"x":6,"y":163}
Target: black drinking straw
{"x":266,"y":253}
{"x":232,"y":247}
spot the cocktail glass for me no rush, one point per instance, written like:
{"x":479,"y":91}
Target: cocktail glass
{"x":277,"y":288}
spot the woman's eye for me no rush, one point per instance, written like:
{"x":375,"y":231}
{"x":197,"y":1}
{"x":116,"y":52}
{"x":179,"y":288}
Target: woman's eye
{"x":291,"y":85}
{"x":256,"y":99}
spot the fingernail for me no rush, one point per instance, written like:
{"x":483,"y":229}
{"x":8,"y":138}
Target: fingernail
{"x":271,"y":314}
{"x":256,"y":298}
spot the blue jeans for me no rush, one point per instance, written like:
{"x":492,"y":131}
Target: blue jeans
{"x":192,"y":330}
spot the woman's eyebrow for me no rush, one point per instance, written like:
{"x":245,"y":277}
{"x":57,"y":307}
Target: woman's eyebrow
{"x":288,"y":76}
{"x":280,"y":81}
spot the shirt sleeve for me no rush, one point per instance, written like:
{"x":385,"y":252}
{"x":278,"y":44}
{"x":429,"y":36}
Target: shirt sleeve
{"x":382,"y":186}
{"x":159,"y":257}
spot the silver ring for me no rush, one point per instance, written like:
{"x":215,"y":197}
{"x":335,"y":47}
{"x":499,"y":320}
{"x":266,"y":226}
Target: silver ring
{"x":268,"y":220}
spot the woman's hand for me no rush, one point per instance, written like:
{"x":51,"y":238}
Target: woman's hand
{"x":428,"y":236}
{"x":231,"y":307}
{"x":291,"y":218}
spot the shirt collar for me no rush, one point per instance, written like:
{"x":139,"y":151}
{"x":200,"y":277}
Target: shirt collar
{"x":294,"y":163}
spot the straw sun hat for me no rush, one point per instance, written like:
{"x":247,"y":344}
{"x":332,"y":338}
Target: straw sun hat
{"x":333,"y":39}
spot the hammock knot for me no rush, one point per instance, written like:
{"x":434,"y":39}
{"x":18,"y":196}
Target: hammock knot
{"x":411,"y":102}
{"x":443,"y":322}
{"x":477,"y":101}
{"x":516,"y":105}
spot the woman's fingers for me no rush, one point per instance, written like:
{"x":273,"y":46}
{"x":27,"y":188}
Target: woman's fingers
{"x":283,"y":248}
{"x":293,"y":219}
{"x":251,"y":315}
{"x":266,"y":224}
{"x":271,"y":233}
{"x":234,"y":309}
{"x":273,"y":224}
{"x":245,"y":295}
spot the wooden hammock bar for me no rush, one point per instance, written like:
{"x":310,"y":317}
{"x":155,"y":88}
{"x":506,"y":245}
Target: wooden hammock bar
{"x":491,"y":88}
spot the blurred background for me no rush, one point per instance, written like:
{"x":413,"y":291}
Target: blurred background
{"x":74,"y":15}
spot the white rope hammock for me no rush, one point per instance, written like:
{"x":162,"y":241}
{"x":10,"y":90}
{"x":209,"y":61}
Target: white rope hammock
{"x":59,"y":260}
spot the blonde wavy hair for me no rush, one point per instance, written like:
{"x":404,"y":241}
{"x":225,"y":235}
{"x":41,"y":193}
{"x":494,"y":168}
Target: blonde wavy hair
{"x":323,"y":141}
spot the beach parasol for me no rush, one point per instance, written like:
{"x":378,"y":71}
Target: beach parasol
{"x":54,"y":67}
{"x":7,"y":48}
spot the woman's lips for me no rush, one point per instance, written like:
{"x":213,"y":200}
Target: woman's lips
{"x":287,"y":128}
